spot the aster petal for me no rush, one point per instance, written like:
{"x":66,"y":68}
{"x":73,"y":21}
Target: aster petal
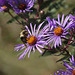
{"x":31,"y":28}
{"x":28,"y":10}
{"x":65,"y":33}
{"x":29,"y":52}
{"x":21,"y":48}
{"x":72,"y":58}
{"x":42,"y":35}
{"x":20,"y":10}
{"x":33,"y":50}
{"x":72,"y":63}
{"x":30,"y":5}
{"x":34,"y":28}
{"x":27,"y":1}
{"x":16,"y":10}
{"x":49,"y":21}
{"x":65,"y":21}
{"x":46,"y":38}
{"x":28,"y":30}
{"x":58,"y":23}
{"x":54,"y":21}
{"x":39,"y":49}
{"x":63,"y":36}
{"x":23,"y":11}
{"x":56,"y":41}
{"x":39,"y":28}
{"x":40,"y":42}
{"x":15,"y":1}
{"x":60,"y":41}
{"x":40,"y":46}
{"x":55,"y":74}
{"x":62,"y":19}
{"x":66,"y":65}
{"x":19,"y":45}
{"x":53,"y":42}
{"x":20,"y":53}
{"x":68,"y":25}
{"x":58,"y":18}
{"x":24,"y":53}
{"x":44,"y":30}
{"x":51,"y":39}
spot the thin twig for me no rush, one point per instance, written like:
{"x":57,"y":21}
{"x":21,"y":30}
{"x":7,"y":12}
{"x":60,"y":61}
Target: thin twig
{"x":68,"y":42}
{"x":64,"y":50}
{"x":68,"y":39}
{"x":67,"y":52}
{"x":23,"y":18}
{"x":13,"y":17}
{"x":37,"y":16}
{"x":49,"y":49}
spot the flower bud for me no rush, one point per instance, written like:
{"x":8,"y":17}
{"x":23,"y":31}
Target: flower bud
{"x":41,"y":13}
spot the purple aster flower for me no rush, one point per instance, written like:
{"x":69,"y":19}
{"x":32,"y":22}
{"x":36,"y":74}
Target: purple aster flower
{"x":22,"y":5}
{"x":58,"y":29}
{"x":3,"y":5}
{"x":72,"y":27}
{"x":63,"y":72}
{"x":72,"y":18}
{"x":70,"y":69}
{"x":33,"y":41}
{"x":51,"y":23}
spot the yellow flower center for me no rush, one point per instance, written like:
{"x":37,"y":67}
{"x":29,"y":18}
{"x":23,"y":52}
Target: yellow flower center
{"x":73,"y":72}
{"x":32,"y":40}
{"x":58,"y":31}
{"x":4,"y":6}
{"x":22,"y":6}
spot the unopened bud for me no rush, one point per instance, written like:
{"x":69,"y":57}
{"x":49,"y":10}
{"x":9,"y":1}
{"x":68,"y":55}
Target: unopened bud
{"x":41,"y":13}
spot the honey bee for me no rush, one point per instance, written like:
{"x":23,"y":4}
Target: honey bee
{"x":23,"y":36}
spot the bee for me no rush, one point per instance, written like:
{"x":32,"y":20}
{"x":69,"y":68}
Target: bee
{"x":23,"y":36}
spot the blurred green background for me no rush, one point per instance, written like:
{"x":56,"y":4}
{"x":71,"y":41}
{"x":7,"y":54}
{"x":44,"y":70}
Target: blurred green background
{"x":35,"y":65}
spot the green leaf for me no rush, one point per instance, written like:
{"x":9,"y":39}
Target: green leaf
{"x":65,"y":57}
{"x":49,"y":53}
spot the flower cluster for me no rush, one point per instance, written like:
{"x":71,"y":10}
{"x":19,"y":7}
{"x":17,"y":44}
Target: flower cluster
{"x":51,"y":34}
{"x":45,"y":36}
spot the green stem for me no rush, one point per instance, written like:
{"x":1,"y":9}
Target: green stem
{"x":64,"y":50}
